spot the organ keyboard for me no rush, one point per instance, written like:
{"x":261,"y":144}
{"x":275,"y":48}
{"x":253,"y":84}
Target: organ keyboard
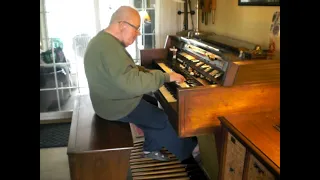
{"x":169,"y":97}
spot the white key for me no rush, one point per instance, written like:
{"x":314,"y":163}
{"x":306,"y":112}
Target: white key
{"x":168,"y":70}
{"x":183,"y":85}
{"x":167,"y":94}
{"x":165,"y":68}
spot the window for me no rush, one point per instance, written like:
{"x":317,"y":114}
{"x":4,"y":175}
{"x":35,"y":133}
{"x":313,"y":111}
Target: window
{"x":66,"y":26}
{"x":146,"y":10}
{"x":68,"y":30}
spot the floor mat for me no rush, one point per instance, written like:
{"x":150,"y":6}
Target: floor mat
{"x":54,"y":135}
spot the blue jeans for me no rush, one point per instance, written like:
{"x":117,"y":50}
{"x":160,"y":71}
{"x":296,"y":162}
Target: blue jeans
{"x":158,"y":131}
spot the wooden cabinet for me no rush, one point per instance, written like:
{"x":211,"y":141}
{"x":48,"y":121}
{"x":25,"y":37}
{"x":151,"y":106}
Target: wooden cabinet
{"x":234,"y":158}
{"x":250,"y":147}
{"x":256,"y":170}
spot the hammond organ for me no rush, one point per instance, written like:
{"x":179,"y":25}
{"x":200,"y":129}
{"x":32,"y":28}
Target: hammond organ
{"x":222,"y":78}
{"x":218,"y":82}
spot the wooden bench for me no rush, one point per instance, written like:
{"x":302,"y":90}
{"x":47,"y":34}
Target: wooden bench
{"x":97,"y":149}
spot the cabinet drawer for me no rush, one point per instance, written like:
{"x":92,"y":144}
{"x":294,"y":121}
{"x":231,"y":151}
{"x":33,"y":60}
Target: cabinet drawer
{"x":235,"y":156}
{"x":258,"y":171}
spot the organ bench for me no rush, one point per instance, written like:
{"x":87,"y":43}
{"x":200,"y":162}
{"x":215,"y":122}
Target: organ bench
{"x":98,"y":149}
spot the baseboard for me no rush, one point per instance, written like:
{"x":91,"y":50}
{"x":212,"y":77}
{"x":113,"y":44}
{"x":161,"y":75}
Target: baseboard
{"x":55,"y":117}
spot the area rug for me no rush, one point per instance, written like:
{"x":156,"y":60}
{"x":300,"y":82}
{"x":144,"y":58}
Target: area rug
{"x":54,"y":135}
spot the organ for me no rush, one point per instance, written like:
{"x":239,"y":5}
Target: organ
{"x":224,"y":76}
{"x":219,"y":80}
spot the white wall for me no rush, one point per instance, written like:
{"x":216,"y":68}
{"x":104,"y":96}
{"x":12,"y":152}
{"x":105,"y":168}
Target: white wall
{"x":248,"y":23}
{"x":169,"y":22}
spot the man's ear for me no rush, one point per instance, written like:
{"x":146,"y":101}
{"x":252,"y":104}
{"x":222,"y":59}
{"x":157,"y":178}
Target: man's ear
{"x":121,"y":27}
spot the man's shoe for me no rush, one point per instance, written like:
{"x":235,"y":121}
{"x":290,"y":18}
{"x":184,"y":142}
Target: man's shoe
{"x":156,"y":155}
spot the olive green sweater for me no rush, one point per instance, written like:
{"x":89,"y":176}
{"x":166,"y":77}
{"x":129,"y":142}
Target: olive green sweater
{"x":116,"y":84}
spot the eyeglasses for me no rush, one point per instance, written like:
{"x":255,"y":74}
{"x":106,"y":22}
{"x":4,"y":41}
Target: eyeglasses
{"x":135,"y":27}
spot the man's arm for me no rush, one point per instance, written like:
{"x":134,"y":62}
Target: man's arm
{"x":143,"y":69}
{"x":128,"y":77}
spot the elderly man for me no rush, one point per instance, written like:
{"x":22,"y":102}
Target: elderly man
{"x":117,"y":86}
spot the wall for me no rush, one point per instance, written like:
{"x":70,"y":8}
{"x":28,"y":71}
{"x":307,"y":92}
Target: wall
{"x":249,"y":23}
{"x":168,"y":22}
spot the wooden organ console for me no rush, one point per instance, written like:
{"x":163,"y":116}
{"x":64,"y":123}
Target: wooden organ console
{"x":214,"y":85}
{"x":221,"y":79}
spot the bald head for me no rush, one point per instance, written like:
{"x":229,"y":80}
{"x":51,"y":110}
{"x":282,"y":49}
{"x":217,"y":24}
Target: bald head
{"x":125,"y":25}
{"x":124,"y":13}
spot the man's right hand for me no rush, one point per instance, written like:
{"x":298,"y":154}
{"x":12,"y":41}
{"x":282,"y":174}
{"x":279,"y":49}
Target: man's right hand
{"x":176,"y":77}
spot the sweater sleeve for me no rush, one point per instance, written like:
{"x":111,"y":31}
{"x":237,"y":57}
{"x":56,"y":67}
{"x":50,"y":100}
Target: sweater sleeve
{"x":126,"y":76}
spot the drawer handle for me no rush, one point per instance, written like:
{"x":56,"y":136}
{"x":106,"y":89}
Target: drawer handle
{"x":258,"y":168}
{"x":233,"y":140}
{"x":231,"y":169}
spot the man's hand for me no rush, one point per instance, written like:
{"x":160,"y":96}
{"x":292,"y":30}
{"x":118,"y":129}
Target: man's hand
{"x":176,"y":77}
